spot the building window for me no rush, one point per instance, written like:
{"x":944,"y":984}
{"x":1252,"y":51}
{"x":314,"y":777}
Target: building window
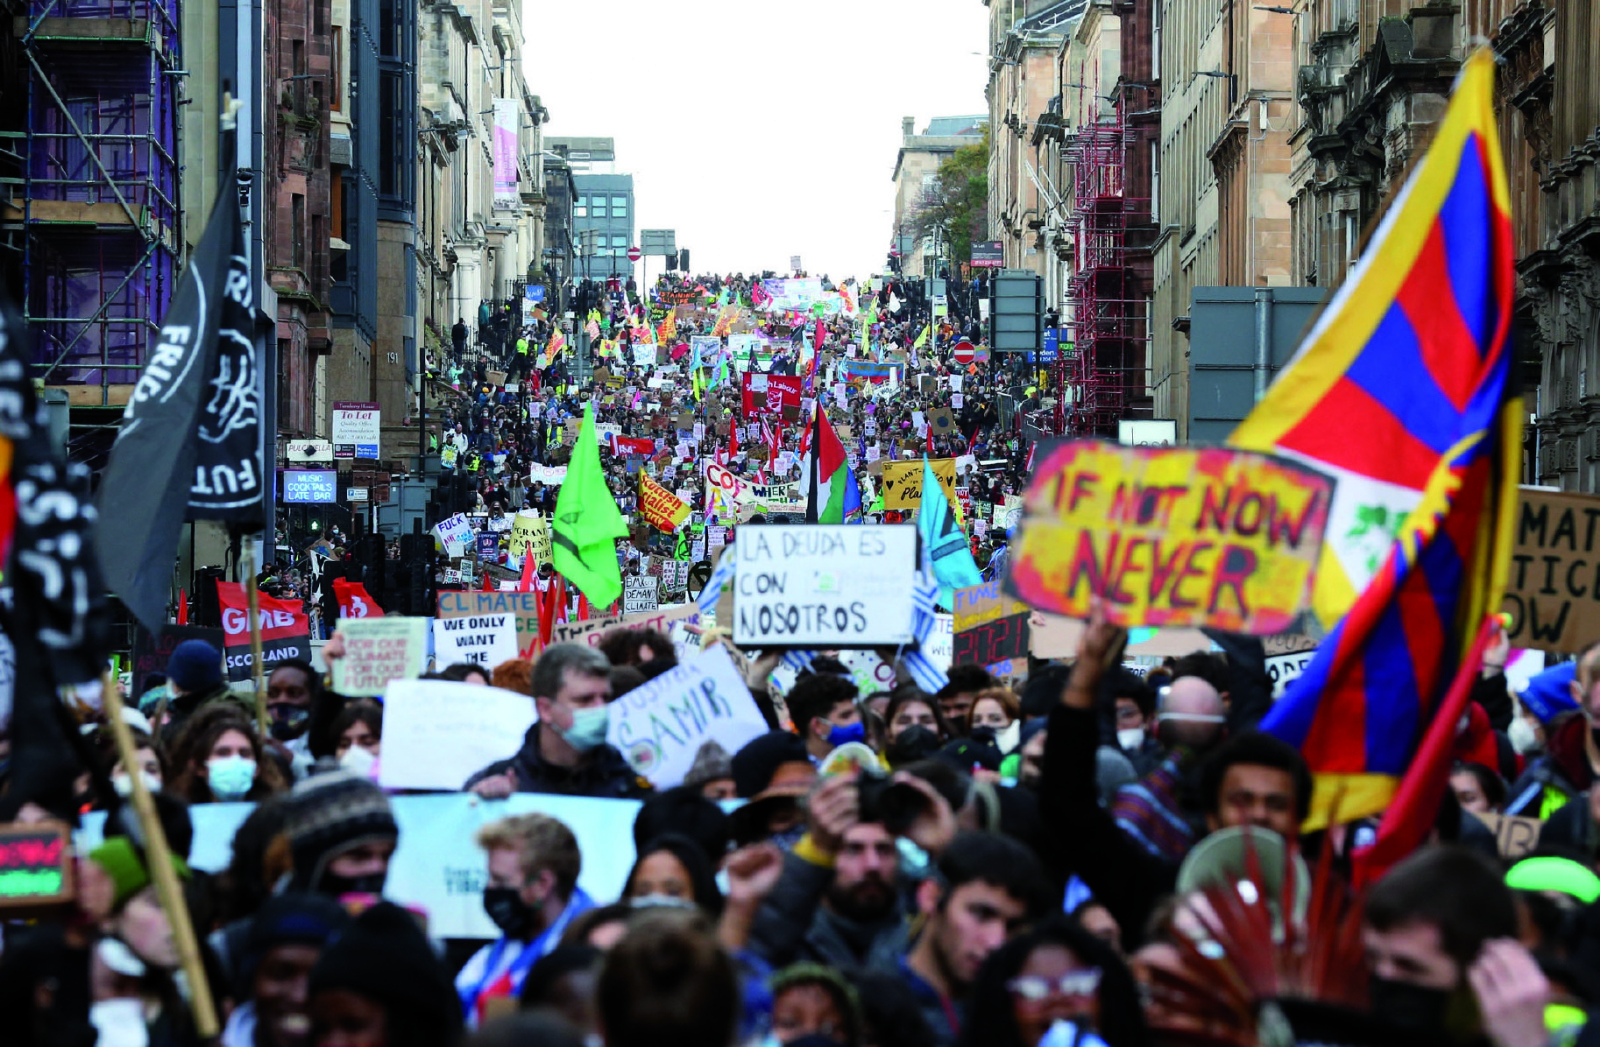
{"x":619,"y":244}
{"x":297,"y":233}
{"x":581,"y":208}
{"x":619,"y":207}
{"x":390,"y":153}
{"x":336,"y":75}
{"x":597,"y":207}
{"x":285,"y":392}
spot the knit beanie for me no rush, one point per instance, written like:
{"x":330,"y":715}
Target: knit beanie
{"x":127,"y":869}
{"x":287,"y":919}
{"x":330,"y":813}
{"x":711,"y":763}
{"x":194,"y":666}
{"x":1549,"y":694}
{"x":384,"y":956}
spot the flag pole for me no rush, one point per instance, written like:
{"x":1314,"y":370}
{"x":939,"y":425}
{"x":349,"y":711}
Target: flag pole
{"x":158,"y":856}
{"x":254,"y":604}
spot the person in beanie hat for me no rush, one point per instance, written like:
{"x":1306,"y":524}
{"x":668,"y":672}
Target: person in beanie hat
{"x":194,"y":678}
{"x":711,"y":774}
{"x":281,"y":946}
{"x":379,"y":985}
{"x":342,"y":834}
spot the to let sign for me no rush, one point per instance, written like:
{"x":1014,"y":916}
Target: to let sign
{"x":1170,"y":536}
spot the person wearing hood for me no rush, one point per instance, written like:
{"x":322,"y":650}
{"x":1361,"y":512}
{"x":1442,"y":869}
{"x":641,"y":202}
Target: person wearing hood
{"x":565,"y":751}
{"x":1566,"y":769}
{"x":282,"y":945}
{"x":673,"y":870}
{"x":532,"y":896}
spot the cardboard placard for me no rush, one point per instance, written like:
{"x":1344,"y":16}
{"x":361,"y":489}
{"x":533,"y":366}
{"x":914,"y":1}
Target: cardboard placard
{"x":523,"y":606}
{"x":378,"y":650}
{"x":902,"y":481}
{"x":439,"y":733}
{"x":661,"y":620}
{"x":988,"y":626}
{"x":36,"y":865}
{"x":1553,"y":590}
{"x":1170,"y":536}
{"x":485,"y":639}
{"x":640,"y":594}
{"x":1514,"y":835}
{"x":661,"y":725}
{"x":824,"y":585}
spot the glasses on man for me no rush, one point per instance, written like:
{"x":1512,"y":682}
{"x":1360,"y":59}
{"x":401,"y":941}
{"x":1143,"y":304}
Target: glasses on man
{"x":1035,"y":988}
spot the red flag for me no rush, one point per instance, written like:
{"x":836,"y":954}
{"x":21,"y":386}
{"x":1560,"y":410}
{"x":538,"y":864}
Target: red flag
{"x":526,"y":584}
{"x":583,"y":607}
{"x":488,"y":583}
{"x":1410,"y":815}
{"x":930,"y":441}
{"x":354,"y":600}
{"x":733,"y":440}
{"x":547,"y":612}
{"x":817,"y":344}
{"x":183,"y":607}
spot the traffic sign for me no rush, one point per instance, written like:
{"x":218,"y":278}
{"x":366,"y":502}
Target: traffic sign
{"x":634,"y":253}
{"x":964,"y":352}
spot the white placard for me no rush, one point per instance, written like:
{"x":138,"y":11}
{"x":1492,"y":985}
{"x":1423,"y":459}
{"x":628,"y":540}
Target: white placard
{"x":955,"y":382}
{"x":661,"y":725}
{"x":958,"y":400}
{"x":482,"y":639}
{"x":639,"y":594}
{"x":825,"y":585}
{"x":438,"y":733}
{"x":940,"y":646}
{"x":549,"y":475}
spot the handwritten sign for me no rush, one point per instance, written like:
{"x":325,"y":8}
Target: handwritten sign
{"x":661,"y":725}
{"x":1170,"y":536}
{"x":1553,"y":590}
{"x":530,"y":530}
{"x":989,"y":626}
{"x":902,"y":482}
{"x":454,"y":533}
{"x":36,"y":864}
{"x":662,"y":621}
{"x":378,"y":650}
{"x":485,"y":640}
{"x":641,"y":593}
{"x":521,"y":606}
{"x":831,"y":585}
{"x":1514,"y":835}
{"x":438,"y":733}
{"x":549,"y":475}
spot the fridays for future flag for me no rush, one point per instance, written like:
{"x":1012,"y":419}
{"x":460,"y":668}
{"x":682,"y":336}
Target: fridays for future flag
{"x":587,"y":524}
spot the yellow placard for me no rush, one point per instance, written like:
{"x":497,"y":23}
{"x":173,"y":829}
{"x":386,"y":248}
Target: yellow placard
{"x":530,"y":530}
{"x":1170,"y":536}
{"x":902,"y":482}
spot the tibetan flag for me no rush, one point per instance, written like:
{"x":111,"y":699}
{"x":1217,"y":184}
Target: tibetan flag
{"x":660,"y":508}
{"x":945,"y":544}
{"x":1400,"y":391}
{"x":586,"y":525}
{"x":832,"y":493}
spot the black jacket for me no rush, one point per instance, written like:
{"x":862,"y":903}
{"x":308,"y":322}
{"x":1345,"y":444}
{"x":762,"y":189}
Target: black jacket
{"x":605,"y":774}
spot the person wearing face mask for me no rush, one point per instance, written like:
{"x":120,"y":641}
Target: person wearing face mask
{"x":222,"y":760}
{"x":358,"y":737}
{"x":1543,"y":709}
{"x":823,"y":709}
{"x":292,"y":690}
{"x":565,"y":751}
{"x":341,"y":833}
{"x":283,"y":942}
{"x":532,"y":896}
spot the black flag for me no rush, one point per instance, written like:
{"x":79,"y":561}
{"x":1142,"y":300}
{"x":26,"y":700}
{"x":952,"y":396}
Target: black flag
{"x":147,"y":486}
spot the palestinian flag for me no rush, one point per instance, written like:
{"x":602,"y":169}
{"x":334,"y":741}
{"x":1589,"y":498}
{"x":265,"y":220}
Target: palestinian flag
{"x":832,"y":493}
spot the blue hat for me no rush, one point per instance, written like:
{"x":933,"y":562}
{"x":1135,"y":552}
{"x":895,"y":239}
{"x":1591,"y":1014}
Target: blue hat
{"x":1549,"y":694}
{"x":194,"y":666}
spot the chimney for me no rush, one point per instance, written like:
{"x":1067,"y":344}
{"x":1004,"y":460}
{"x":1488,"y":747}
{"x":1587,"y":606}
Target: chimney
{"x":907,"y":123}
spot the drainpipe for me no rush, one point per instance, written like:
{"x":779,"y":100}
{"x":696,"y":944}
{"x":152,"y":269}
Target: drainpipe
{"x":1263,"y":368}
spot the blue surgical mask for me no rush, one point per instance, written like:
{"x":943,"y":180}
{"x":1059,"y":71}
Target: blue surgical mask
{"x":230,"y":777}
{"x":839,"y":734}
{"x":588,"y":730}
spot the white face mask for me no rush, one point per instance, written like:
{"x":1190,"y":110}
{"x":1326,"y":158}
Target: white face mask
{"x":120,"y":1022}
{"x":359,"y":760}
{"x":124,"y":784}
{"x":1524,"y":739}
{"x":1130,"y":737}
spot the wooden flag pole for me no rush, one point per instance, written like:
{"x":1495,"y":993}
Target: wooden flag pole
{"x":159,"y":858}
{"x":254,"y":604}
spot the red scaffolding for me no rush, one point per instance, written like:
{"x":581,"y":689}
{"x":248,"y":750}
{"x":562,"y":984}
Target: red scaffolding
{"x":1106,"y":306}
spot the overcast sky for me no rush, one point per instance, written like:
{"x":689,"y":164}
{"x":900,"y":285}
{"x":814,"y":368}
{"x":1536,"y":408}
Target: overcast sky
{"x":757,"y":130}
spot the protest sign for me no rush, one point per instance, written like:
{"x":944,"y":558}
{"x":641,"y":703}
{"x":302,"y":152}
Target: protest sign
{"x":1283,"y":668}
{"x":378,"y":650}
{"x":830,"y":585}
{"x":1054,"y":636}
{"x":1170,"y":536}
{"x":523,"y":607}
{"x":438,"y":733}
{"x":640,"y":593}
{"x":771,"y":395}
{"x":661,"y":725}
{"x":454,"y":533}
{"x":549,"y":475}
{"x":151,"y":651}
{"x":285,"y":631}
{"x":660,"y":507}
{"x":36,"y":866}
{"x":942,"y":422}
{"x":489,"y":547}
{"x":1514,"y":835}
{"x":530,"y":530}
{"x":661,"y":620}
{"x":1553,"y":590}
{"x":485,"y":639}
{"x":988,"y":625}
{"x":674,"y":575}
{"x":939,"y":647}
{"x":902,"y":482}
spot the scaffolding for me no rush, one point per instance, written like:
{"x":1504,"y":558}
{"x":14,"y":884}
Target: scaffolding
{"x":1106,"y":305}
{"x":98,"y":214}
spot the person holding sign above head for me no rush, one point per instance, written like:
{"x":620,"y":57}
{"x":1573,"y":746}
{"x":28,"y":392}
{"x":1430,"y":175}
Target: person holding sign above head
{"x":565,"y":751}
{"x":532,"y":896}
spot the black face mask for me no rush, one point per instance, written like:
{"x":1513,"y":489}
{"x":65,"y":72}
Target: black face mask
{"x":509,"y":912}
{"x":289,"y":721}
{"x":1408,"y":1006}
{"x":338,"y":886}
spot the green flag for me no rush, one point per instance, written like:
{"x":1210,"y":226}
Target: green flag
{"x":587,"y":524}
